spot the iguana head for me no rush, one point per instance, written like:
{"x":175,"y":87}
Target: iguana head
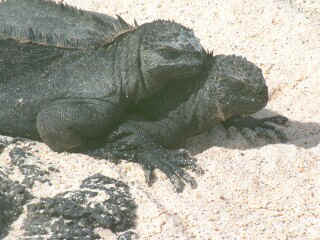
{"x":169,"y":51}
{"x":239,"y":86}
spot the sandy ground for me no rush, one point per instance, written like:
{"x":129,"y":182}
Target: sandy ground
{"x":270,"y":191}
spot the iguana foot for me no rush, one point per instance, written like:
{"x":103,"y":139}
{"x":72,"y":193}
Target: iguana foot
{"x":260,"y":127}
{"x":171,"y":163}
{"x":129,"y":143}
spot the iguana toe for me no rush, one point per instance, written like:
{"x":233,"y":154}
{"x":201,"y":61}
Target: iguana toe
{"x":251,"y":127}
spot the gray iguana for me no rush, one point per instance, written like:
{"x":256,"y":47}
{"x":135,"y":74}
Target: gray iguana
{"x":73,"y":78}
{"x":63,"y":79}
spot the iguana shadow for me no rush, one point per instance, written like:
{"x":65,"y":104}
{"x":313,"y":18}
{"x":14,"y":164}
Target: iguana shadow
{"x":301,"y":134}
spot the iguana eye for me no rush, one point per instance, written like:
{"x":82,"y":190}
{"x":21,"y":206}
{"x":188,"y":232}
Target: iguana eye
{"x":169,"y":53}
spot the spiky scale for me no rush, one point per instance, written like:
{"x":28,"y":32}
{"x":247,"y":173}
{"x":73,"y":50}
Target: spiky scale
{"x":59,"y":25}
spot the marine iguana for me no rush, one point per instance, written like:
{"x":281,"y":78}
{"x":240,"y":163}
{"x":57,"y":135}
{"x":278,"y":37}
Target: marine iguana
{"x":63,"y":80}
{"x":71,"y":78}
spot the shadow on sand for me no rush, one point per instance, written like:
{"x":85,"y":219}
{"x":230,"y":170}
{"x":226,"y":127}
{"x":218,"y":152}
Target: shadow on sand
{"x":301,"y":134}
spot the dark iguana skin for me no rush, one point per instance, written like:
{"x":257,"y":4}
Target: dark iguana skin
{"x":68,"y":76}
{"x":71,"y":77}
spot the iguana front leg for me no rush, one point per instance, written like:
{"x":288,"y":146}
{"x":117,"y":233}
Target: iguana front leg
{"x":259,"y":126}
{"x":71,"y":124}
